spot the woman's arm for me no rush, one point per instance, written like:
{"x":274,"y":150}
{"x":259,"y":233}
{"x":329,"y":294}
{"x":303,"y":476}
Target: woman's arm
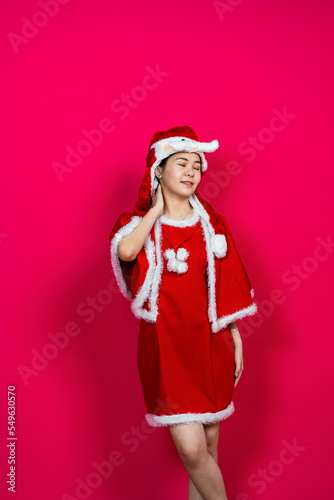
{"x":130,"y":245}
{"x":238,"y":354}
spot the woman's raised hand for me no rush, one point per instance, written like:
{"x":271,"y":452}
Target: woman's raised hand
{"x":130,"y":245}
{"x":158,"y":201}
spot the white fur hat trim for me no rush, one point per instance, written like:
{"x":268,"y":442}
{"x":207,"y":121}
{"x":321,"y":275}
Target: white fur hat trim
{"x":167,"y":147}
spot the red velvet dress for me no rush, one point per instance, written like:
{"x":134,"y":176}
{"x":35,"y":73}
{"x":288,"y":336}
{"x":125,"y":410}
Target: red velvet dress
{"x":183,"y":366}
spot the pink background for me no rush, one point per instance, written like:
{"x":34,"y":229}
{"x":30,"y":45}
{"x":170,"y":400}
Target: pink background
{"x":227,"y":72}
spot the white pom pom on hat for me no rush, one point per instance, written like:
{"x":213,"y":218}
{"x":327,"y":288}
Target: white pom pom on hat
{"x":219,"y":245}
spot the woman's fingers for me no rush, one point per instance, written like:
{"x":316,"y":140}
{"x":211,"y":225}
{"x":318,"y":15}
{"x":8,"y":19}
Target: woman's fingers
{"x":156,"y":195}
{"x":158,"y":200}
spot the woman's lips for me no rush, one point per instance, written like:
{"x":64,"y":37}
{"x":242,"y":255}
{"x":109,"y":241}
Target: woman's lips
{"x":188,"y":183}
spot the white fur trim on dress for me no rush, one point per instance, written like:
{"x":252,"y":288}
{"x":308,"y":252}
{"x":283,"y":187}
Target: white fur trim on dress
{"x":144,"y":291}
{"x":191,"y":221}
{"x":189,"y":418}
{"x":150,"y":288}
{"x":222,"y":322}
{"x":115,"y":260}
{"x":152,"y":275}
{"x":211,"y":273}
{"x":217,"y":324}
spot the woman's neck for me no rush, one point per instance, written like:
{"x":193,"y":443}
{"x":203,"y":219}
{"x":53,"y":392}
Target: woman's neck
{"x":177,"y":208}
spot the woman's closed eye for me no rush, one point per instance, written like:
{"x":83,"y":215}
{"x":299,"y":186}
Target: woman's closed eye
{"x":184,"y":165}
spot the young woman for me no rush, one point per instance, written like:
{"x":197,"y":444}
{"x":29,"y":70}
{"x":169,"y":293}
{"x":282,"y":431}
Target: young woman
{"x":175,"y":260}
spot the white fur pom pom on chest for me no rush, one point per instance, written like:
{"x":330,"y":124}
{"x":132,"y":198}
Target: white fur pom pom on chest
{"x":176,"y":261}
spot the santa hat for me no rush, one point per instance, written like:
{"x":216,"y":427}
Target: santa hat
{"x":164,"y":144}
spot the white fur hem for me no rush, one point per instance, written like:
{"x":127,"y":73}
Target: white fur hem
{"x":189,"y":418}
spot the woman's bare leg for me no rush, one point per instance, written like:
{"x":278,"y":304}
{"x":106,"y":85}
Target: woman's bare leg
{"x":191,"y":443}
{"x":212,"y":435}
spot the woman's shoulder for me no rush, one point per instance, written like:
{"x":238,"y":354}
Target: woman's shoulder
{"x":124,"y":219}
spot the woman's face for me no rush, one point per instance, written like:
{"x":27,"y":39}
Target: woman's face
{"x":182,"y":173}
